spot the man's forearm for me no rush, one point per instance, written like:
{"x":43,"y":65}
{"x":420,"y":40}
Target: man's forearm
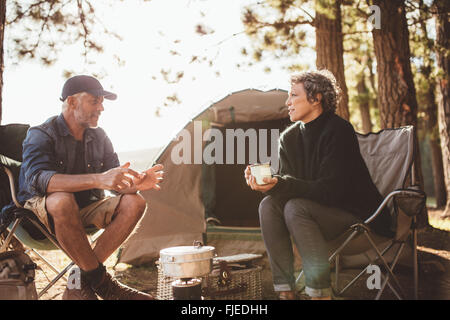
{"x":73,"y":182}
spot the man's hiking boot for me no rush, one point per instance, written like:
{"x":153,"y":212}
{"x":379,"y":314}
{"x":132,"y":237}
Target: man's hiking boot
{"x":111,"y":289}
{"x":84,"y":292}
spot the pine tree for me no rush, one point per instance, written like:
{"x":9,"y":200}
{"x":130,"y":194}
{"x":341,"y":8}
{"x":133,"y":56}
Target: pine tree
{"x":42,"y":28}
{"x":442,"y":9}
{"x":285,"y":35}
{"x":422,"y":48}
{"x":396,"y":91}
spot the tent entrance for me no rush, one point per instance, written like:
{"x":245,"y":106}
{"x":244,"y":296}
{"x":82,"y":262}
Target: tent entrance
{"x":226,"y":195}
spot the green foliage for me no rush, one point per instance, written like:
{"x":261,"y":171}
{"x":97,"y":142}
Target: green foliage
{"x":359,"y":63}
{"x":278,"y":29}
{"x":39,"y":29}
{"x":283,"y":29}
{"x":423,"y":66}
{"x":325,"y":7}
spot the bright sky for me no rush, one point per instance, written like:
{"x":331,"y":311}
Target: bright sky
{"x":148,"y":29}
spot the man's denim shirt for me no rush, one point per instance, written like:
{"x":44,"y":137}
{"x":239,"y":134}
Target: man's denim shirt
{"x":50,"y":148}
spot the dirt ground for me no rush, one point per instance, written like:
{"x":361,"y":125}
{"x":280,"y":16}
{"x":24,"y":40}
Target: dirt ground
{"x":434,"y":270}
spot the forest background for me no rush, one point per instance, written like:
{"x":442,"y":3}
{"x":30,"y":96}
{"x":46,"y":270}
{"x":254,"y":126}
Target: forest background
{"x":167,"y":60}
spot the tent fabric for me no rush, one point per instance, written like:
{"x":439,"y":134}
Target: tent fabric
{"x":248,"y":106}
{"x":176,"y":214}
{"x":235,"y":240}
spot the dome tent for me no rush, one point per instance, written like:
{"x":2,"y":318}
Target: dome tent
{"x":197,"y":188}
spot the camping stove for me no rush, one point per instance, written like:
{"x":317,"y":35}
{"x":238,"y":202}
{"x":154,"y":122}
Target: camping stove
{"x":187,"y":289}
{"x":187,"y":264}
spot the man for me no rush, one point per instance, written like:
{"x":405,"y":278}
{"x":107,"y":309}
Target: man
{"x":67,"y":163}
{"x":322,"y":188}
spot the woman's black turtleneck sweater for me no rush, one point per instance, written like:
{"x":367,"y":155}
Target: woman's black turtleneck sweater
{"x":320,"y":160}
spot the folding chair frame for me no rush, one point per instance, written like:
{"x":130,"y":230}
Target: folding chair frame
{"x":19,"y":217}
{"x":362,"y":228}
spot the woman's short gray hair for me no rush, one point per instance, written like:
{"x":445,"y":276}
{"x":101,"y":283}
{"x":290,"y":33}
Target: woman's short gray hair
{"x":319,"y":81}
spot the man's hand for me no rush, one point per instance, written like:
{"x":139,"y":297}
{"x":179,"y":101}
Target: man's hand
{"x":118,"y":179}
{"x":251,"y":181}
{"x":150,"y":178}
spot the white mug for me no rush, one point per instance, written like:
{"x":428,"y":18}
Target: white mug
{"x":261,"y":171}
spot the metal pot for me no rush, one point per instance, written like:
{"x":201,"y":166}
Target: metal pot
{"x":187,"y":261}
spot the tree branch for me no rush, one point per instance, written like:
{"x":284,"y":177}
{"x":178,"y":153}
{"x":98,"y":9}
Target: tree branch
{"x":19,"y":16}
{"x":312,"y":18}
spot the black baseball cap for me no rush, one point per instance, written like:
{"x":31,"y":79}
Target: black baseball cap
{"x":83,"y":83}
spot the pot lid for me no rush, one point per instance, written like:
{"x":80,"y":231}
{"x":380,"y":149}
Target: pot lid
{"x":182,"y":250}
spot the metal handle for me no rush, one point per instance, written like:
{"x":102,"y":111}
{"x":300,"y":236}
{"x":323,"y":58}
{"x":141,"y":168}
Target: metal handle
{"x":198,"y":244}
{"x":12,"y":187}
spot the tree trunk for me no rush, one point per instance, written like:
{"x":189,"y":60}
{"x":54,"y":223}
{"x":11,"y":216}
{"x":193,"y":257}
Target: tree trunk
{"x":431,"y":109}
{"x":431,"y":128}
{"x":443,"y":61}
{"x":396,"y":92}
{"x":364,"y":106}
{"x":2,"y":35}
{"x":330,"y":51}
{"x":438,"y":173}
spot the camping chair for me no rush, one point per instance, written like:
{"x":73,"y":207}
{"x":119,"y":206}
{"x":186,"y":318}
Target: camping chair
{"x":19,"y":226}
{"x":389,"y":156}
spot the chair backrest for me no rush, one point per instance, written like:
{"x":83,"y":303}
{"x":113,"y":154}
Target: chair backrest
{"x":389,"y":156}
{"x":11,"y":139}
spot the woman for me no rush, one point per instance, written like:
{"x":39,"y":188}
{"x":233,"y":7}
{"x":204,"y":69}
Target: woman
{"x":322,"y":188}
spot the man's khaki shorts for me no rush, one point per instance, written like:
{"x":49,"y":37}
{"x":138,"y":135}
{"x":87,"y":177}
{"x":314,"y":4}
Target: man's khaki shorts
{"x":98,"y":214}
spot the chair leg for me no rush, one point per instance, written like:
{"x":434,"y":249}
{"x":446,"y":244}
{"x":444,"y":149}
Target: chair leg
{"x":370,"y":260}
{"x":47,"y":263}
{"x":336,"y":266}
{"x":297,"y":281}
{"x":390,"y":287}
{"x":10,"y":235}
{"x":353,"y":281}
{"x":350,"y":237}
{"x":394,"y":263}
{"x":59,"y":276}
{"x":55,"y":242}
{"x":49,"y":236}
{"x":415,"y":262}
{"x":386,"y":265}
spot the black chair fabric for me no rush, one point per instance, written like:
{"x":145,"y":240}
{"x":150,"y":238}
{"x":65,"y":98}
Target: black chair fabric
{"x":11,"y":139}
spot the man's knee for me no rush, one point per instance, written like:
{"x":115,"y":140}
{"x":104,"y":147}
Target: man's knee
{"x":60,"y":205}
{"x":134,"y":203}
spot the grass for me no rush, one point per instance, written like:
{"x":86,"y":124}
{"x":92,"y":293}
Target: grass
{"x":434,"y":218}
{"x":441,"y":224}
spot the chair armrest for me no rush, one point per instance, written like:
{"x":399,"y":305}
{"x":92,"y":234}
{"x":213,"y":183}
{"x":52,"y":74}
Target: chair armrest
{"x":411,"y":203}
{"x":12,"y":186}
{"x":413,"y":192}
